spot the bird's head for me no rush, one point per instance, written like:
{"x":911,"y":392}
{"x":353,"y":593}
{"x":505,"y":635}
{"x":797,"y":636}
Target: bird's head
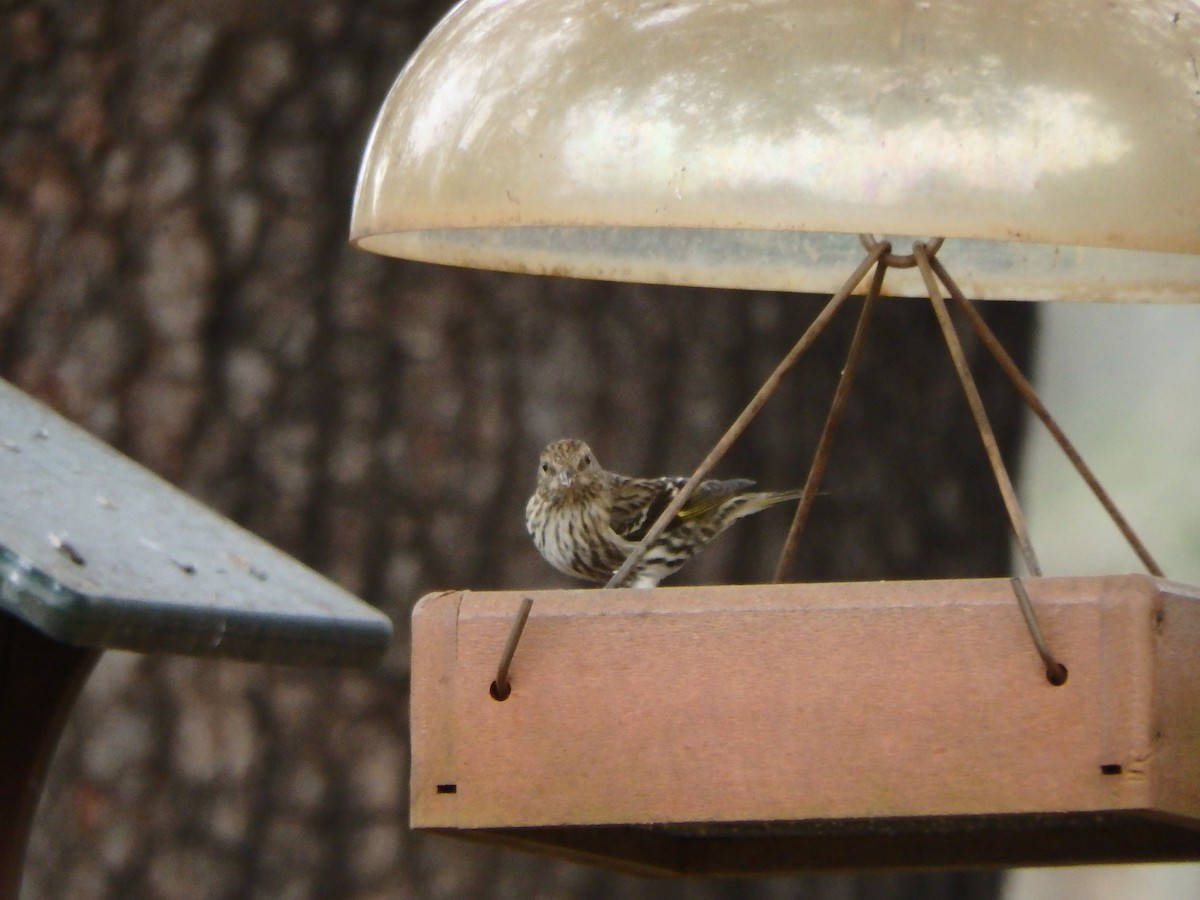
{"x":568,"y":469}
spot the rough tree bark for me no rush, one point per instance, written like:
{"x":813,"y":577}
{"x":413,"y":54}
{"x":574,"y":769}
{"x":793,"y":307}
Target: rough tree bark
{"x":174,"y":192}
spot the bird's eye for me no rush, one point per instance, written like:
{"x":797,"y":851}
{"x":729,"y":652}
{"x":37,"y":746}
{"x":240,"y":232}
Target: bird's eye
{"x":587,"y":459}
{"x":546,"y":468}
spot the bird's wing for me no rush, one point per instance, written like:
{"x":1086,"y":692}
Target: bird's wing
{"x":638,"y":502}
{"x":711,"y":494}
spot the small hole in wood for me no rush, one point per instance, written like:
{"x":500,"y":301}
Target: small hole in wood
{"x":1111,"y":769}
{"x":1159,"y":615}
{"x":500,"y":693}
{"x":447,"y":788}
{"x":1057,"y":674}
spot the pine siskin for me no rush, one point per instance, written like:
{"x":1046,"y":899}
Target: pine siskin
{"x":585,"y":520}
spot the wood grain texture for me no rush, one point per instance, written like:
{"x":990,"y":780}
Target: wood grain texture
{"x":807,"y":702}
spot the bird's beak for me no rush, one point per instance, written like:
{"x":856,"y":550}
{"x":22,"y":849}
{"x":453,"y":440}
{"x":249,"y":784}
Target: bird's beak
{"x":565,"y":478}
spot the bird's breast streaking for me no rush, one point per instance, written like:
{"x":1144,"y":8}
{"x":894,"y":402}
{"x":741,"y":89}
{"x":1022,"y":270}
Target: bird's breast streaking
{"x":586,"y":520}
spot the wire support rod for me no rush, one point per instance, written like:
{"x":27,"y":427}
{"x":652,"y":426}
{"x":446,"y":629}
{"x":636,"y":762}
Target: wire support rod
{"x":501,"y":688}
{"x":1031,"y":399}
{"x":747,"y":415}
{"x":1056,"y":672}
{"x":836,"y":409}
{"x":975,"y":402}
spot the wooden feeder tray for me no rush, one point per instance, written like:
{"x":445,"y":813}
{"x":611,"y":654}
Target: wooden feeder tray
{"x":766,"y":729}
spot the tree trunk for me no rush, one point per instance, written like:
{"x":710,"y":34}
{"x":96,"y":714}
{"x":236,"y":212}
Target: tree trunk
{"x":175,"y":181}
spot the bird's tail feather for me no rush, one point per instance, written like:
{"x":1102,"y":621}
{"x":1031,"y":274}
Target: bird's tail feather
{"x":759,"y":501}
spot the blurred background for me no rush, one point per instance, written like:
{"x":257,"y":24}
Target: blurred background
{"x":175,"y":181}
{"x":1124,"y":382}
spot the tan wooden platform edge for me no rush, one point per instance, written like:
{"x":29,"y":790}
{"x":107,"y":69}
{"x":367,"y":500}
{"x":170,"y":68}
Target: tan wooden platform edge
{"x":771,"y":728}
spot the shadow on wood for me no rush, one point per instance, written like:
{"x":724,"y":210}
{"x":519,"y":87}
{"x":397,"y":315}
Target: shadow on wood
{"x":39,"y":680}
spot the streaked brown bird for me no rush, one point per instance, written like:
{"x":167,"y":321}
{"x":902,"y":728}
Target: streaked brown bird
{"x":586,"y":520}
